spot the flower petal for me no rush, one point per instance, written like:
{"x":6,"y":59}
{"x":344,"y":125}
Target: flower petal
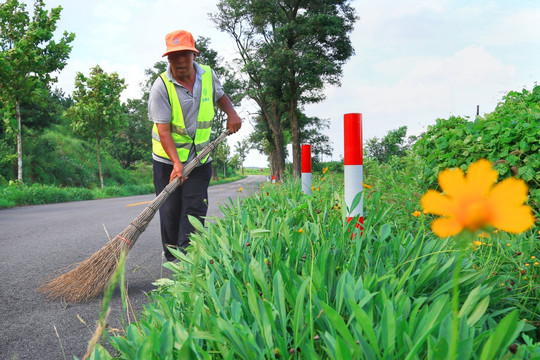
{"x":452,"y":181}
{"x":513,"y":219}
{"x":444,"y":227}
{"x":434,"y":202}
{"x":509,"y":192}
{"x":480,"y":177}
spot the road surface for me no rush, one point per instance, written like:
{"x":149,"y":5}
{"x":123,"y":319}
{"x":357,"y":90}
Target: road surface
{"x":36,"y":241}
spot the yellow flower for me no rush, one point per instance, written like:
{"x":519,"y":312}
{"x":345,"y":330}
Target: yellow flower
{"x":526,"y":264}
{"x":483,"y":234}
{"x":536,"y":263}
{"x":325,"y":170}
{"x":241,"y":189}
{"x":313,"y":188}
{"x":473,"y":201}
{"x":416,"y":213}
{"x":301,"y":231}
{"x":367,"y":186}
{"x":318,"y":189}
{"x":508,"y":244}
{"x":533,"y":257}
{"x":477,"y":243}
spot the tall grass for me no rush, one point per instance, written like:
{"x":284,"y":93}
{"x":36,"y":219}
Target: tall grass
{"x":282,"y":275}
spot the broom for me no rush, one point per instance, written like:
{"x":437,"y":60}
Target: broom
{"x":89,"y":277}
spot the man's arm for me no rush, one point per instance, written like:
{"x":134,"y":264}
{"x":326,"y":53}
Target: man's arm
{"x":165,"y":137}
{"x":234,"y":122}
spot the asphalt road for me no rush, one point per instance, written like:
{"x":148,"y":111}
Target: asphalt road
{"x":36,"y":241}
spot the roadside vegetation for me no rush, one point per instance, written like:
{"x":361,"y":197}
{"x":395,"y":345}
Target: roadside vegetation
{"x":283,"y":275}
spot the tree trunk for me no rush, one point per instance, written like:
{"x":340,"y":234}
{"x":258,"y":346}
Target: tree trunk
{"x":19,"y":142}
{"x":274,"y":122}
{"x":295,"y":132}
{"x":99,"y":161}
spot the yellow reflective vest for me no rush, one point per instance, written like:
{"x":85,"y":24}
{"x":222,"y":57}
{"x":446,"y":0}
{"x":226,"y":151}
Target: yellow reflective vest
{"x":178,"y":128}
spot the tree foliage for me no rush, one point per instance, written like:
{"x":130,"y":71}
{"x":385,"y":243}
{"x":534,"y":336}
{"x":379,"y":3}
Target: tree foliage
{"x":97,"y":112}
{"x":28,"y":57}
{"x":313,"y":134}
{"x":289,"y":50}
{"x":394,"y":143}
{"x":242,"y":148}
{"x":133,"y":142}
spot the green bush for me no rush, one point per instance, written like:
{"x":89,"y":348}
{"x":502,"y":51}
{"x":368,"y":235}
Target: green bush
{"x":509,"y":137}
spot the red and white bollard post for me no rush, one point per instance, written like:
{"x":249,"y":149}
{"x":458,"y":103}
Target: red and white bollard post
{"x":306,"y":169}
{"x":273,"y":179}
{"x":353,"y":164}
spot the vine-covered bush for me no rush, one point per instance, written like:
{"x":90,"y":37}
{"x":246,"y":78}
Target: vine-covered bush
{"x":509,"y":137}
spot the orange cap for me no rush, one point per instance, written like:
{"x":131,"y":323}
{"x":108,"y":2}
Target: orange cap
{"x":179,"y":40}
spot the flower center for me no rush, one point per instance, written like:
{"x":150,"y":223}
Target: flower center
{"x":475,"y":215}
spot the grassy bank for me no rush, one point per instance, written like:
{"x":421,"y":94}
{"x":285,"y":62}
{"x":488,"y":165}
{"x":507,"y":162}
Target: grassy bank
{"x":283,"y":275}
{"x":36,"y":194}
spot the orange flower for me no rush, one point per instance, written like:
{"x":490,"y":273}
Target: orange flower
{"x":473,"y":201}
{"x":325,"y":170}
{"x":367,"y":186}
{"x":416,"y":213}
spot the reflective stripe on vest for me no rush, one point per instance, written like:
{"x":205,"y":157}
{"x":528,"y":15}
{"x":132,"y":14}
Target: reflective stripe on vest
{"x":180,"y":137}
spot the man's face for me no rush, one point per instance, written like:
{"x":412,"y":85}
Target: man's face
{"x":182,"y":62}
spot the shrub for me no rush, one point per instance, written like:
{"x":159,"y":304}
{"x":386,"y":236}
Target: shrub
{"x":509,"y":137}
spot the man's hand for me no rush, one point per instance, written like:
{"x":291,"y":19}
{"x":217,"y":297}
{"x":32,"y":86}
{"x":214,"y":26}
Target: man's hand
{"x":234,"y":123}
{"x":178,"y":170}
{"x":164,"y":131}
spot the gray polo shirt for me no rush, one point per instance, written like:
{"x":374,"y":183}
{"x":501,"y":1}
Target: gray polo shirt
{"x":159,"y":107}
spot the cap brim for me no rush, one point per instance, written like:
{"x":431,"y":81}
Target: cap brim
{"x":180,"y":48}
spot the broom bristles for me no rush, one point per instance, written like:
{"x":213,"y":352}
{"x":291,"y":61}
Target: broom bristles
{"x":89,"y":278}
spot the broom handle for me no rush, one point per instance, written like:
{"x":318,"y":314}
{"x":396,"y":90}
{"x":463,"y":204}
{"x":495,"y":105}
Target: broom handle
{"x":193,"y":163}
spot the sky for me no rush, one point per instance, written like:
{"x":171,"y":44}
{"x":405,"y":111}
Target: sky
{"x":415,"y":60}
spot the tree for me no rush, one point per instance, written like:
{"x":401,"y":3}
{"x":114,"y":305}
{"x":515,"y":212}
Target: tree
{"x":28,"y":57}
{"x":291,"y":49}
{"x":133,"y":141}
{"x":242,"y":148}
{"x":264,"y":85}
{"x":221,"y":156}
{"x":312,"y":135}
{"x":97,"y":111}
{"x":394,"y":143}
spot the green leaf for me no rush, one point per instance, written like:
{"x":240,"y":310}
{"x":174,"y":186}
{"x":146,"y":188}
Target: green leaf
{"x":196,"y":223}
{"x":279,"y":299}
{"x":388,"y":328}
{"x":166,"y":340}
{"x":505,"y":333}
{"x":258,"y":232}
{"x":338,"y":323}
{"x":298,"y":324}
{"x":478,"y":311}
